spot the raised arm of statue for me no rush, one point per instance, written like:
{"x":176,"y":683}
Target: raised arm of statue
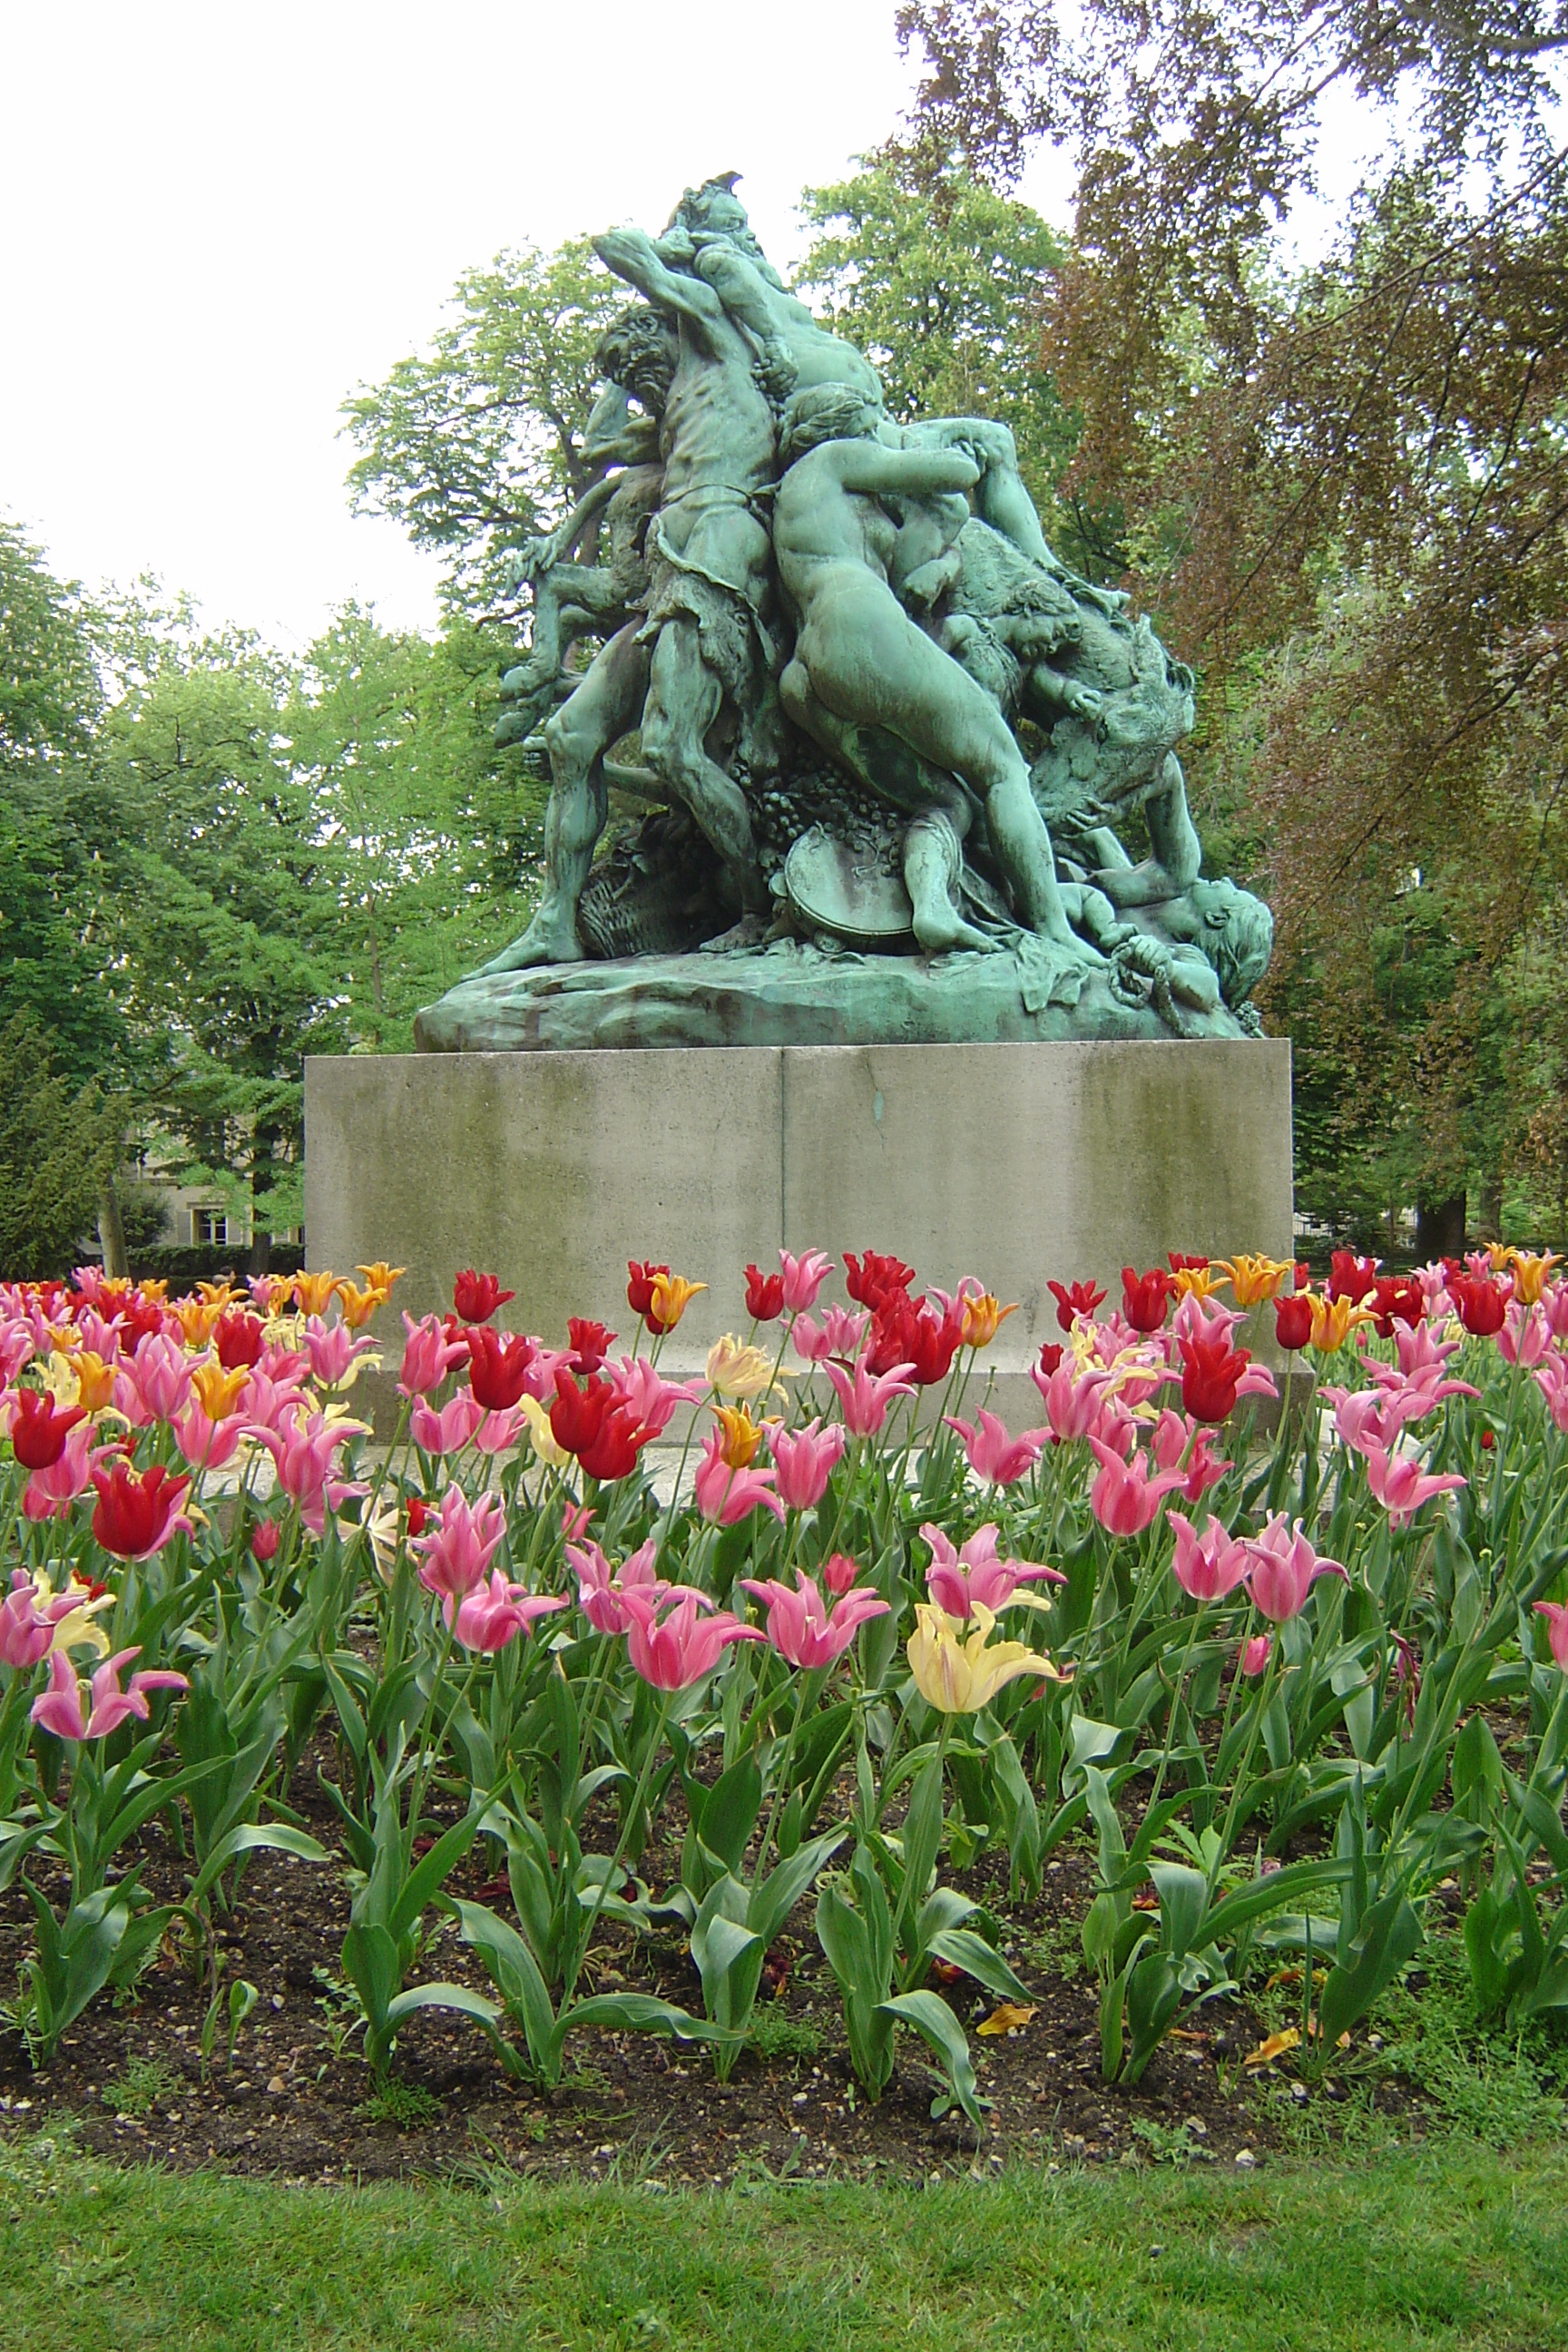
{"x":537,"y":555}
{"x":632,"y":255}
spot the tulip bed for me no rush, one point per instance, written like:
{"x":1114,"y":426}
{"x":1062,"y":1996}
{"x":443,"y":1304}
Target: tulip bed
{"x":536,"y":1767}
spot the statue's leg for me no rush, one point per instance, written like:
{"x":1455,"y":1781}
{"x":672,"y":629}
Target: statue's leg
{"x":591,"y":594}
{"x":683,"y":701}
{"x":932,"y":861}
{"x":875,"y":756}
{"x":578,"y":735}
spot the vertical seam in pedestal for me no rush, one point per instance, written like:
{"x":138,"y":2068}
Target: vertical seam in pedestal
{"x":783,"y":1147}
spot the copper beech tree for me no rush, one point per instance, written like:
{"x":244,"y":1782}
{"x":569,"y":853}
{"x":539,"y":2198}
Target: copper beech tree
{"x":1342,"y":486}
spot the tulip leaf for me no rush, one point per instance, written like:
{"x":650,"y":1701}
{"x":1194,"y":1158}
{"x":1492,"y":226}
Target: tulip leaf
{"x":729,"y":1811}
{"x":252,"y":1837}
{"x":960,"y":1948}
{"x":1388,"y":1934}
{"x":935,"y":2022}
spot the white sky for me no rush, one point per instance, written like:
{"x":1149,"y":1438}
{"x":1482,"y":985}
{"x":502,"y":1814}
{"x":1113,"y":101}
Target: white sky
{"x":215,"y":220}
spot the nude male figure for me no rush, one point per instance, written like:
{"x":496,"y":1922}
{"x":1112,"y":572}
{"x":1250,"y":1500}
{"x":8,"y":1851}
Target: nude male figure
{"x":860,"y":662}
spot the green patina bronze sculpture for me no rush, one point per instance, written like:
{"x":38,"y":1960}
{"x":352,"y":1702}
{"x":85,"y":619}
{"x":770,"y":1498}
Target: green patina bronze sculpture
{"x":885,"y":741}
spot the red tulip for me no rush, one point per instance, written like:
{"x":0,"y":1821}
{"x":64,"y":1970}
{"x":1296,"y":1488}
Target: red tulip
{"x":1051,"y":1354}
{"x":1483,"y":1306}
{"x":764,"y":1295}
{"x":39,"y":1429}
{"x":1293,"y":1321}
{"x":1180,"y":1264}
{"x":475,"y":1297}
{"x":1075,"y":1299}
{"x":418,"y":1515}
{"x":499,"y":1366}
{"x":1211,"y":1369}
{"x":1397,"y":1297}
{"x":641,"y":1278}
{"x":1353,"y":1277}
{"x":577,"y":1415}
{"x":135,"y":1516}
{"x":1146,"y":1297}
{"x":591,"y":1343}
{"x":614,"y":1452}
{"x":239,"y":1340}
{"x":874,"y":1280}
{"x":264,"y":1540}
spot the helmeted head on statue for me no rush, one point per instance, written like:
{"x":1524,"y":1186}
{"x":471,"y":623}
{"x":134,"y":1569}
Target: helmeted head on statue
{"x":822,"y":411}
{"x":714,"y":210}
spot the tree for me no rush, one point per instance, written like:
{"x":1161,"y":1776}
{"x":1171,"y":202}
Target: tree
{"x":943,"y":282}
{"x":1346,"y":487}
{"x":473,"y":443}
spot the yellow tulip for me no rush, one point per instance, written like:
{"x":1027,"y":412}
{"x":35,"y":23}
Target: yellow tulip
{"x":359,"y":1305}
{"x":1530,"y":1275}
{"x":1253,"y":1279}
{"x":1199,"y":1281}
{"x":94,"y":1380}
{"x":983,"y":1319}
{"x":1500,"y":1255}
{"x":314,"y":1291}
{"x":672,"y":1295}
{"x":381,"y":1276}
{"x":1333,"y":1321}
{"x":741,"y":1435}
{"x":541,"y":1436}
{"x":958,"y":1676}
{"x":217,"y":1294}
{"x":197,"y":1321}
{"x":738,"y":1371}
{"x":218,"y":1390}
{"x":154,"y":1293}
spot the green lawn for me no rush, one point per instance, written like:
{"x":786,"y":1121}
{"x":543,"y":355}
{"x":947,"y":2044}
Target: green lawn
{"x":1451,"y":2245}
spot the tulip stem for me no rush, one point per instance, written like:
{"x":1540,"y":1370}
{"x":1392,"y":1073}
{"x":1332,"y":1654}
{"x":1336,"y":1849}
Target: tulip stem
{"x":782,"y":1782}
{"x":602,"y":1891}
{"x":904,"y":1902}
{"x":1264,"y":1696}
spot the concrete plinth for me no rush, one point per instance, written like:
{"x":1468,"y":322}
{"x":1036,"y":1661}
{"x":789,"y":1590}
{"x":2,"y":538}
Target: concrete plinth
{"x":1017,"y":1163}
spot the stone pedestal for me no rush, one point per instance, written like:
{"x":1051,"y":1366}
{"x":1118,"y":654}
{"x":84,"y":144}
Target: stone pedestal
{"x":1017,"y":1163}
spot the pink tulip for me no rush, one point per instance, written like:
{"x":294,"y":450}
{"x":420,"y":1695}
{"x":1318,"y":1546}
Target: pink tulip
{"x":1401,"y":1485}
{"x":600,"y":1588}
{"x":1553,"y":1307}
{"x":1204,"y":1319}
{"x":1072,"y":1399}
{"x":1210,"y":1565}
{"x":1550,"y":1377}
{"x":153,"y":1384}
{"x":1419,"y":1350}
{"x":429,"y":1354}
{"x":494,"y":1613}
{"x":26,"y":1630}
{"x":1282,"y":1566}
{"x":804,"y":1278}
{"x":838,"y":1334}
{"x":272,"y":1401}
{"x":1203,"y":1470}
{"x":1253,"y":1656}
{"x":16,"y":1348}
{"x":451,"y":1429}
{"x":995,"y":1456}
{"x":1556,"y":1615}
{"x":48,"y":1492}
{"x":1365,"y":1420}
{"x":680,"y":1645}
{"x":1124,"y":1499}
{"x":865,"y":1396}
{"x":802,"y":1628}
{"x":501,"y":1432}
{"x":333,"y":1351}
{"x":61,"y":1710}
{"x":302,"y":1457}
{"x":207,"y":1444}
{"x":457,"y":1551}
{"x":803,"y":1462}
{"x":1525,"y":1337}
{"x":839,"y":1574}
{"x":725,"y":1495}
{"x":575,"y":1519}
{"x":976,"y":1577}
{"x":649,"y":1398}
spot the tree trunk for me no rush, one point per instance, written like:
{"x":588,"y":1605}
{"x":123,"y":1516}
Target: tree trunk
{"x":1440,"y":1228}
{"x":112,"y":1232}
{"x":1489,"y":1225}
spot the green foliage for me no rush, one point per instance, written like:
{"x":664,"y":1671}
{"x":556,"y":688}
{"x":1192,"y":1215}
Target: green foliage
{"x":58,"y":1146}
{"x":144,"y":2083}
{"x":941,"y":282}
{"x":471,"y":444}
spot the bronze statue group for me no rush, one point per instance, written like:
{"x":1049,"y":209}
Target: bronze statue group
{"x":867,"y":705}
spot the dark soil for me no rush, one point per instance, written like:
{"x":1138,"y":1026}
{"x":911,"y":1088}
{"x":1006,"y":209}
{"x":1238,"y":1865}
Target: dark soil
{"x":299,"y":2101}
